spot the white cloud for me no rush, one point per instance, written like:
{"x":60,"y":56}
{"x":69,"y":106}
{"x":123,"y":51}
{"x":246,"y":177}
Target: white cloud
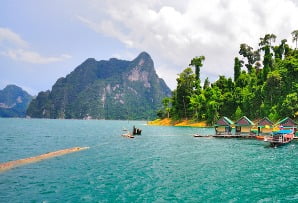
{"x":33,"y":57}
{"x":7,"y":36}
{"x":14,"y":47}
{"x":173,"y":33}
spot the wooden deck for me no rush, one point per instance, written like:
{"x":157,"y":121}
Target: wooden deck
{"x":226,"y":136}
{"x":234,"y":136}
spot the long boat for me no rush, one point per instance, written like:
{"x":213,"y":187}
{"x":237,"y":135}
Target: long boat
{"x":281,"y":137}
{"x":127,"y":134}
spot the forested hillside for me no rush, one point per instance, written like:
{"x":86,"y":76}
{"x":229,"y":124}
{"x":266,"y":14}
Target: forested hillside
{"x":14,"y":101}
{"x":113,"y":89}
{"x":265,"y":83}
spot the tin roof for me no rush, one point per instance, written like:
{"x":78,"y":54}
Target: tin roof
{"x":224,"y":121}
{"x":287,"y":122}
{"x":265,"y":121}
{"x":244,"y":121}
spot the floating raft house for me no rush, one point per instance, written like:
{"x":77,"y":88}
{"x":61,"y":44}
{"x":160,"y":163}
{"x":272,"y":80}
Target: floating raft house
{"x":243,"y":126}
{"x":223,"y":126}
{"x":265,"y":126}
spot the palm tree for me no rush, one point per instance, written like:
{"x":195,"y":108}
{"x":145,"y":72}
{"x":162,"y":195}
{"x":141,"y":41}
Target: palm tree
{"x":295,"y":37}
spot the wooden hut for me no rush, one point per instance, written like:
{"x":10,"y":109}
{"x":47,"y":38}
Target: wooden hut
{"x":223,"y":126}
{"x":287,"y":123}
{"x":243,"y":126}
{"x":265,"y":126}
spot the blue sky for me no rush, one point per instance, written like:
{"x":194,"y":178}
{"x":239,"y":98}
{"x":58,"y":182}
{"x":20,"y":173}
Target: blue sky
{"x":41,"y":41}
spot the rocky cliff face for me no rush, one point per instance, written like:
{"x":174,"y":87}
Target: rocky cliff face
{"x":13,"y":101}
{"x":113,"y":89}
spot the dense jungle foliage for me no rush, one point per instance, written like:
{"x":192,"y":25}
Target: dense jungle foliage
{"x":265,"y":83}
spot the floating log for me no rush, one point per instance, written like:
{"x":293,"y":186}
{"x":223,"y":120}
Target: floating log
{"x":12,"y":164}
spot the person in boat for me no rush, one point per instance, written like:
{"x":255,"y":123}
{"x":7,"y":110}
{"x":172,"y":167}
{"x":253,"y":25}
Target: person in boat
{"x":136,"y":131}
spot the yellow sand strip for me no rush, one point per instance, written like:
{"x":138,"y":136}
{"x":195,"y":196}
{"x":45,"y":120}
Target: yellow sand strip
{"x":12,"y":164}
{"x":170,"y":122}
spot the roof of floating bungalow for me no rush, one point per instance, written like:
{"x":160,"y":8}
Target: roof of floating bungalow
{"x":224,"y":121}
{"x":244,"y":121}
{"x":265,"y":121}
{"x":287,"y":122}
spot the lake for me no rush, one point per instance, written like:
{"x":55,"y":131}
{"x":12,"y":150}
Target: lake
{"x":164,"y":164}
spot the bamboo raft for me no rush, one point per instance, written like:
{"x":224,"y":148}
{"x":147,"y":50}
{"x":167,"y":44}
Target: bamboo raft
{"x":12,"y":164}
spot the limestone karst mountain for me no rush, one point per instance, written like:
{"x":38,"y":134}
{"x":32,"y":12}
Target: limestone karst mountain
{"x":14,"y":101}
{"x":113,"y":89}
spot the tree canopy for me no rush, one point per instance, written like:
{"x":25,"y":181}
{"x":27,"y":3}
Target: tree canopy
{"x":267,"y":86}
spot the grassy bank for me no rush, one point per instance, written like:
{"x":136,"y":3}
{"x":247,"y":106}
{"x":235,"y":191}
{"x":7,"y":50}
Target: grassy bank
{"x":170,"y":122}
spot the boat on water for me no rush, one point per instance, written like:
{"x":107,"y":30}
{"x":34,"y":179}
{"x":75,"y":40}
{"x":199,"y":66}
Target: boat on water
{"x":260,"y":137}
{"x":136,"y":131}
{"x":280,"y":137}
{"x":127,"y":134}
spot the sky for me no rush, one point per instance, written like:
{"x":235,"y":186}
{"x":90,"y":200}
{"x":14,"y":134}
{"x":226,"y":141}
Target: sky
{"x":41,"y":41}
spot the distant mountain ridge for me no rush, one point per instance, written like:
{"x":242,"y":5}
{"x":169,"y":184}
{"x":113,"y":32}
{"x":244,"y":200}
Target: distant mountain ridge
{"x":14,"y":101}
{"x":113,"y":89}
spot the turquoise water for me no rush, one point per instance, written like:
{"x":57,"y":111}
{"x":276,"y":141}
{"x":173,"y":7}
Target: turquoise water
{"x":164,"y":164}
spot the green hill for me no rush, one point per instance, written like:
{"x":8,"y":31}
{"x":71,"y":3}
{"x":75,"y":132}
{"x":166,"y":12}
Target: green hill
{"x":113,"y":89}
{"x":13,"y":101}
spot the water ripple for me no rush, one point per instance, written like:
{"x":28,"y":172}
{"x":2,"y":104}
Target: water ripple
{"x":165,"y":164}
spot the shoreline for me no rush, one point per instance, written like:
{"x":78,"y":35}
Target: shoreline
{"x":181,"y":123}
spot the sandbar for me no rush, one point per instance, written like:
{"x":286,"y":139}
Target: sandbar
{"x":12,"y":164}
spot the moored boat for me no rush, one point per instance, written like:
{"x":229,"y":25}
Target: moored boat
{"x":259,"y":137}
{"x":127,"y":134}
{"x":281,"y":137}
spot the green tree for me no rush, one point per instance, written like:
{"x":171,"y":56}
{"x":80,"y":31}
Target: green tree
{"x":185,"y":88}
{"x":197,"y":62}
{"x":280,"y":50}
{"x":237,"y":68}
{"x":272,"y":88}
{"x":228,"y":104}
{"x":238,"y":113}
{"x":166,"y":105}
{"x":269,"y":91}
{"x":266,"y":46}
{"x":273,"y":113}
{"x":289,"y":106}
{"x":295,"y":37}
{"x":251,"y":55}
{"x":212,"y":112}
{"x":267,"y":40}
{"x":206,"y":83}
{"x":196,"y":103}
{"x":243,"y":80}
